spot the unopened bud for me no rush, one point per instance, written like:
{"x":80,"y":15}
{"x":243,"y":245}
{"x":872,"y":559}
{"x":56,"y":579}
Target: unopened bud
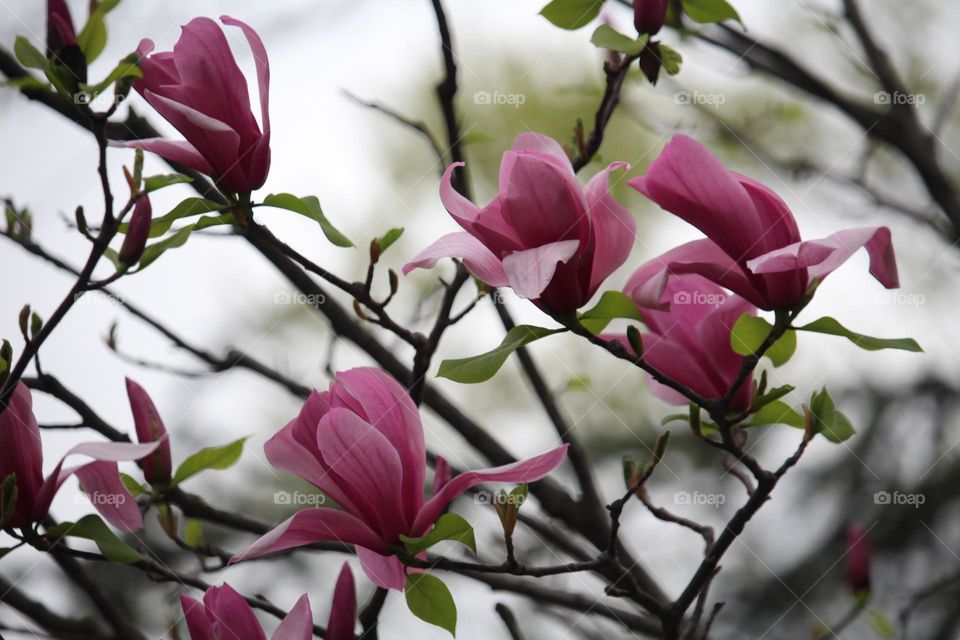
{"x":649,"y":15}
{"x":137,"y":232}
{"x":858,"y":560}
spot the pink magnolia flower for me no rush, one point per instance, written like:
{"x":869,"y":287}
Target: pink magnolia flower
{"x":690,"y":342}
{"x":858,"y":559}
{"x":549,"y":239}
{"x":137,"y":232}
{"x":753,"y":246}
{"x":21,"y":454}
{"x":146,"y":420}
{"x":225,"y":615}
{"x":60,"y":30}
{"x":201,"y":91}
{"x":649,"y":15}
{"x":361,"y":444}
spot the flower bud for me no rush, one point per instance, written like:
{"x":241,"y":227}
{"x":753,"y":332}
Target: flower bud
{"x":137,"y":232}
{"x":649,"y":15}
{"x":858,"y":559}
{"x":156,"y":466}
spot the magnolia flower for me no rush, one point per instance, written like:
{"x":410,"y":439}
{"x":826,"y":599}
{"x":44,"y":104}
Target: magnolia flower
{"x":549,"y":239}
{"x":361,"y":444}
{"x":690,"y":342}
{"x":137,"y":232}
{"x":60,"y":30}
{"x":21,"y":454}
{"x":225,"y":615}
{"x":858,"y":559}
{"x":146,"y":420}
{"x":201,"y":91}
{"x":649,"y":15}
{"x":753,"y":246}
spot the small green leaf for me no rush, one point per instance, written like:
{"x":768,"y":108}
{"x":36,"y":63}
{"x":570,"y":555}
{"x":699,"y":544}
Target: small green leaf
{"x":572,"y":14}
{"x":832,"y":327}
{"x":155,"y":250}
{"x":308,"y":206}
{"x":152,"y":183}
{"x":430,"y":600}
{"x":612,"y":304}
{"x":126,"y":68}
{"x":606,"y":37}
{"x":827,"y":420}
{"x":186,"y":208}
{"x":93,"y":528}
{"x":28,"y":55}
{"x":210,"y":458}
{"x":193,"y":532}
{"x":774,"y":394}
{"x":449,"y":526}
{"x":708,"y":11}
{"x":93,"y":37}
{"x":133,"y":485}
{"x":748,"y":335}
{"x":483,"y":367}
{"x":670,"y":59}
{"x":389,"y":238}
{"x":777,"y":412}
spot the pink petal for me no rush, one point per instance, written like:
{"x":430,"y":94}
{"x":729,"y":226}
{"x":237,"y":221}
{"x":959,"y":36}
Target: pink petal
{"x":384,"y":571}
{"x":477,"y":258}
{"x":689,"y":182}
{"x":232,"y":617}
{"x":781,"y":226}
{"x":385,"y":404}
{"x":176,"y":151}
{"x":199,"y":624}
{"x":149,"y":428}
{"x":21,"y":452}
{"x":294,"y":449}
{"x":487,"y":224}
{"x":101,"y":481}
{"x":343,"y":609}
{"x":540,"y":201}
{"x":649,"y":282}
{"x":821,"y":257}
{"x":369,"y":469}
{"x":530,"y":271}
{"x":441,"y":474}
{"x":614,"y":227}
{"x":529,"y":470}
{"x":313,"y":525}
{"x":545,"y":148}
{"x":298,"y":625}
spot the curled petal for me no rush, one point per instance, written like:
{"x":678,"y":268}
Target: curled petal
{"x":101,"y":481}
{"x":477,"y":258}
{"x":298,"y":625}
{"x":384,"y":571}
{"x":313,"y":525}
{"x":180,"y":151}
{"x":614,"y":227}
{"x":530,"y":271}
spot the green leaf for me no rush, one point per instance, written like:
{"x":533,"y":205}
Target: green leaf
{"x":449,"y":526}
{"x":126,"y":68}
{"x":572,"y":14}
{"x":155,"y":250}
{"x":881,"y":624}
{"x":25,"y":82}
{"x":193,"y":532}
{"x":606,"y":37}
{"x":708,"y":11}
{"x":774,"y":394}
{"x":827,"y":420}
{"x":777,"y":412}
{"x":28,"y":55}
{"x":670,"y":59}
{"x":93,"y":528}
{"x":210,"y":458}
{"x":93,"y":37}
{"x":206,"y":222}
{"x":152,"y":183}
{"x":389,"y":238}
{"x":186,"y":208}
{"x":133,"y":485}
{"x":612,"y":304}
{"x":308,"y":206}
{"x":832,"y":327}
{"x":748,"y":335}
{"x":430,"y":600}
{"x":483,"y":367}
